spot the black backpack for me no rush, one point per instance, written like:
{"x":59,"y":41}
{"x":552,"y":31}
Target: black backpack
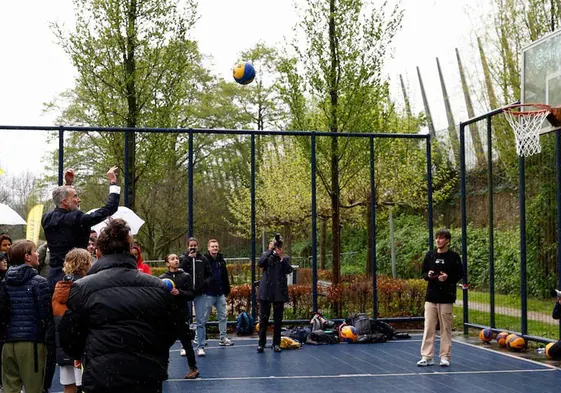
{"x":319,"y":337}
{"x":244,"y":324}
{"x":298,"y":333}
{"x":386,"y":329}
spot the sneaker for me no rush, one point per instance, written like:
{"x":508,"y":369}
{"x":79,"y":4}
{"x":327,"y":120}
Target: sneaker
{"x":225,"y":341}
{"x":444,"y":362}
{"x":425,"y":362}
{"x":182,"y":352}
{"x":277,"y":348}
{"x":192,"y":374}
{"x":201,"y":352}
{"x":260,"y":349}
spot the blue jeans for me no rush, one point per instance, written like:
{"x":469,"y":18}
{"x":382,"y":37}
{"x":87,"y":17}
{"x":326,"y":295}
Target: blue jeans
{"x":200,"y":311}
{"x":220,"y":303}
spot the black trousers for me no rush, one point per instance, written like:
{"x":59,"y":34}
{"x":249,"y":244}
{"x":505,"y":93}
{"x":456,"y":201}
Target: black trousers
{"x":265,"y":311}
{"x":185,"y":337}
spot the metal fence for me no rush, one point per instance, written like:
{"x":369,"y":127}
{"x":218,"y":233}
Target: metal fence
{"x":523,"y":213}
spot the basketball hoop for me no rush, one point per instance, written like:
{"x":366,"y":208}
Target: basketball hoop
{"x":526,"y":125}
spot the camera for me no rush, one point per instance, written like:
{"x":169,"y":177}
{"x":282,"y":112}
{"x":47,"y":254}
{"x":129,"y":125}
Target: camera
{"x":278,"y":240}
{"x":192,"y":250}
{"x":555,"y":293}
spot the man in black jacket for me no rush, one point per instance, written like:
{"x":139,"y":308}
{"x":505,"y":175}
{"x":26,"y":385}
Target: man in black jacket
{"x":442,"y":269}
{"x":120,"y":320}
{"x":197,"y":266}
{"x":273,"y":291}
{"x":67,"y":227}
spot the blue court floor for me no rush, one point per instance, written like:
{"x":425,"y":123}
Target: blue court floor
{"x":384,"y":367}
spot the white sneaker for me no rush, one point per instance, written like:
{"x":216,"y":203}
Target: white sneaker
{"x":424,"y":362}
{"x":444,"y":362}
{"x":225,"y":341}
{"x":201,"y":352}
{"x":182,"y":352}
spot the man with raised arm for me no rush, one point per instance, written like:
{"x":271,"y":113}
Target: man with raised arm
{"x":67,"y":227}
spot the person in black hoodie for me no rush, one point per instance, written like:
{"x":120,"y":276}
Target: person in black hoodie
{"x":183,"y":293}
{"x":197,"y":266}
{"x":120,"y":320}
{"x":442,"y":269}
{"x":273,"y":291}
{"x":217,"y":290}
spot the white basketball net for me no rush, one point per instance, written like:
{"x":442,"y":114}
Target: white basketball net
{"x":526,"y":129}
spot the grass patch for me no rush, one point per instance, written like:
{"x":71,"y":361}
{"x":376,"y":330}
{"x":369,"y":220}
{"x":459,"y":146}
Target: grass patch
{"x":506,"y":322}
{"x":513,"y":301}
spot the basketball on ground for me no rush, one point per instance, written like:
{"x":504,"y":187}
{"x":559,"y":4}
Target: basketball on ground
{"x":486,"y":335}
{"x":516,"y":343}
{"x":501,"y":339}
{"x":349,"y":334}
{"x":547,"y":348}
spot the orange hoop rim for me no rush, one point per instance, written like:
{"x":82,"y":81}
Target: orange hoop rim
{"x":541,"y":108}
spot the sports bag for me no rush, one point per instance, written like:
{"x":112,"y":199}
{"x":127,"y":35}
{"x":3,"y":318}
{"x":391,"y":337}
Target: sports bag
{"x":361,"y":322}
{"x":244,"y":324}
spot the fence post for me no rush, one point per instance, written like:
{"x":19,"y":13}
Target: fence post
{"x":314,"y":225}
{"x":252,"y":191}
{"x":373,"y":234}
{"x":60,"y":155}
{"x":491,"y":223}
{"x":190,"y":185}
{"x":523,"y":289}
{"x":558,"y":200}
{"x":464,"y":220}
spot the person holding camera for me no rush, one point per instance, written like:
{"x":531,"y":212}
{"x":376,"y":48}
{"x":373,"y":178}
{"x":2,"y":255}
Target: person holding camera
{"x":196,"y":265}
{"x":273,"y":291}
{"x":442,"y":269}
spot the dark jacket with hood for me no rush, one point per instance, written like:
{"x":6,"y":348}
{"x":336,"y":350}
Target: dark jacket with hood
{"x":222,"y":285}
{"x":123,"y":321}
{"x":30,"y":301}
{"x":273,"y":286}
{"x":66,"y":229}
{"x":202,"y":275}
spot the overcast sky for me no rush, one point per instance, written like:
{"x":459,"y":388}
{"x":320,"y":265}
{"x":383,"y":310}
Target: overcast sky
{"x":34,"y":70}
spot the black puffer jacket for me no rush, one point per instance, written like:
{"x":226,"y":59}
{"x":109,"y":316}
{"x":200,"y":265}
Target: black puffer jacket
{"x":123,"y":321}
{"x":273,"y":286}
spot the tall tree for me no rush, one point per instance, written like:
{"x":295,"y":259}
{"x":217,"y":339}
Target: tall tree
{"x":340,"y":87}
{"x":131,"y":56}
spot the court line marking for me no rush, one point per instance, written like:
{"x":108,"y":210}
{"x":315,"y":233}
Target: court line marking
{"x":508,"y":355}
{"x":437,"y":373}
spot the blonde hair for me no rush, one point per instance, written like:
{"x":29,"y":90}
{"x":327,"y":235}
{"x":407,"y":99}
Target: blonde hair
{"x":77,"y":262}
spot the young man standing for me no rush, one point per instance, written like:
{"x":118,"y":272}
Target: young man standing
{"x":216,"y":292}
{"x":442,"y":269}
{"x":197,"y":266}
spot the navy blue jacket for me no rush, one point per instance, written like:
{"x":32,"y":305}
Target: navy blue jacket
{"x":66,"y":229}
{"x":30,"y":300}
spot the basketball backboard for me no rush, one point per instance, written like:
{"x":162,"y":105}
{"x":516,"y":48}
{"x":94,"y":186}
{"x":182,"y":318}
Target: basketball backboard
{"x":541,"y":73}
